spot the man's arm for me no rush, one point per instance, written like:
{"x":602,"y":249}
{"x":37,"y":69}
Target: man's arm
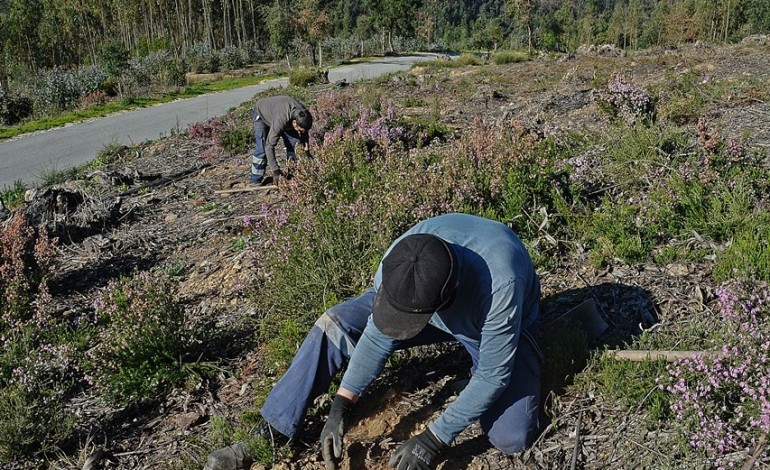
{"x":366,"y":363}
{"x":367,"y":360}
{"x":497,"y":348}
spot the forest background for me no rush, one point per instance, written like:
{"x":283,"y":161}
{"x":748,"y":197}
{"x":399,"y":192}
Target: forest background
{"x":58,"y":55}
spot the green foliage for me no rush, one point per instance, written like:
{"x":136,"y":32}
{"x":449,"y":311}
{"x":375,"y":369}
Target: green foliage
{"x":305,"y":76}
{"x":54,"y":176}
{"x":110,"y":153}
{"x":680,"y":97}
{"x":611,"y":232}
{"x":467,"y":59}
{"x":202,"y":58}
{"x":627,"y":101}
{"x":283,"y":346}
{"x":58,"y":91}
{"x":36,"y":371}
{"x":633,"y":383}
{"x":143,"y":339}
{"x":14,"y":108}
{"x":509,"y":57}
{"x":748,"y":254}
{"x":33,"y":420}
{"x":13,"y":197}
{"x":113,"y":57}
{"x":534,"y":186}
{"x":238,"y":139}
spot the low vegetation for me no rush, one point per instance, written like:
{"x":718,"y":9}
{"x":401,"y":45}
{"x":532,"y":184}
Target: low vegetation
{"x":659,"y":185}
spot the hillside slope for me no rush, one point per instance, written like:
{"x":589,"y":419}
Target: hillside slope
{"x":170,"y":210}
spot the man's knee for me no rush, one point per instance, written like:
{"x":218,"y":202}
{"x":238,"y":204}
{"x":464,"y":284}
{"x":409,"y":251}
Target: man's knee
{"x":513,"y":442}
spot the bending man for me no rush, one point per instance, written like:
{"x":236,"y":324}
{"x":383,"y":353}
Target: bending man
{"x":277,"y":117}
{"x":452,"y":277}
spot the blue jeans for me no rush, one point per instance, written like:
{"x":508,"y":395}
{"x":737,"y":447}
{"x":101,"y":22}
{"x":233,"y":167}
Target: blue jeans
{"x":511,"y":424}
{"x":258,"y":161}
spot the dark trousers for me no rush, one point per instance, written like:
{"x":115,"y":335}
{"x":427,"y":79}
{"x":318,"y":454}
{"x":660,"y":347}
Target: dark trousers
{"x":258,"y":161}
{"x":511,"y":423}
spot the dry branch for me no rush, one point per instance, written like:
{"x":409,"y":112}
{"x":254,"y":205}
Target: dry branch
{"x":669,"y":356}
{"x":245,"y":190}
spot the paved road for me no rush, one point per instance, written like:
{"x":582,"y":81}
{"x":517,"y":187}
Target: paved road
{"x":28,"y":157}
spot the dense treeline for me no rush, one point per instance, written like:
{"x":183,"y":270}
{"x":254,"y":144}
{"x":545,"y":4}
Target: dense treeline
{"x":61,"y":54}
{"x":45,"y":33}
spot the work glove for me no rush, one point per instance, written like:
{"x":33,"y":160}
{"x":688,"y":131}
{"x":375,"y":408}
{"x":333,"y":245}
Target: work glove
{"x":331,"y":435}
{"x":418,"y":453}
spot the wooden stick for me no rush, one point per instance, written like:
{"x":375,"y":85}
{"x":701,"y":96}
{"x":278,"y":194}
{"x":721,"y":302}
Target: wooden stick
{"x":576,"y":449}
{"x":669,"y":356}
{"x":755,"y":455}
{"x":246,"y":190}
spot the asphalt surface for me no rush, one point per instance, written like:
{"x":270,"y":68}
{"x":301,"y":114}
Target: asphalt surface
{"x":28,"y":157}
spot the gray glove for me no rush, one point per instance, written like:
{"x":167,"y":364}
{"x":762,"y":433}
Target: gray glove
{"x":418,"y":453}
{"x":331,"y":435}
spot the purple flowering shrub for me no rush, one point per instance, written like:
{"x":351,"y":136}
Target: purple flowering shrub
{"x":143,"y":334}
{"x":36,"y":373}
{"x":723,"y":402}
{"x":26,"y":262}
{"x":33,"y":395}
{"x":627,"y":101}
{"x":225,"y":136}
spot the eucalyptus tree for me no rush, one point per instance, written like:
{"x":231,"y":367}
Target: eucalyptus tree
{"x":393,"y":18}
{"x":278,"y":24}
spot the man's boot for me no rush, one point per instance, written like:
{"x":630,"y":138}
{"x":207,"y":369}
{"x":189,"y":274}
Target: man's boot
{"x":234,"y":457}
{"x":237,"y":457}
{"x":277,"y":177}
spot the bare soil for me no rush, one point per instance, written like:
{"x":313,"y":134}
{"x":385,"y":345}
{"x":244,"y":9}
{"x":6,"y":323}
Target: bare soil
{"x":164,"y":210}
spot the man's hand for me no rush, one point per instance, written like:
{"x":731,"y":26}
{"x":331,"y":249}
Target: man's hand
{"x":418,"y":453}
{"x":331,"y":435}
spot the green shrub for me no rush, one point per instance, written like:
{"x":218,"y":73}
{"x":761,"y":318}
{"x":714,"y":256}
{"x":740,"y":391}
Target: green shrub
{"x":13,"y":197}
{"x":58,"y":91}
{"x":144,"y":336}
{"x":14,"y":108}
{"x":748,"y":254}
{"x":37,"y":372}
{"x":113,"y":57}
{"x":468,"y":59}
{"x":30,"y":423}
{"x":202,"y":58}
{"x":232,"y":57}
{"x":627,"y":101}
{"x":36,"y":379}
{"x":304,"y":76}
{"x":635,"y":384}
{"x":509,"y":57}
{"x":610,"y":231}
{"x":54,"y":176}
{"x":238,"y":138}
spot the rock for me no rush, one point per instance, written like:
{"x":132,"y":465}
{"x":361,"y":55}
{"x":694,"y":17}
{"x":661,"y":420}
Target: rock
{"x":186,"y":420}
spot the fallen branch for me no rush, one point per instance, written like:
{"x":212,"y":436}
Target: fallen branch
{"x":576,"y":449}
{"x":165,"y":180}
{"x":245,"y":190}
{"x":668,"y":356}
{"x":749,"y":463}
